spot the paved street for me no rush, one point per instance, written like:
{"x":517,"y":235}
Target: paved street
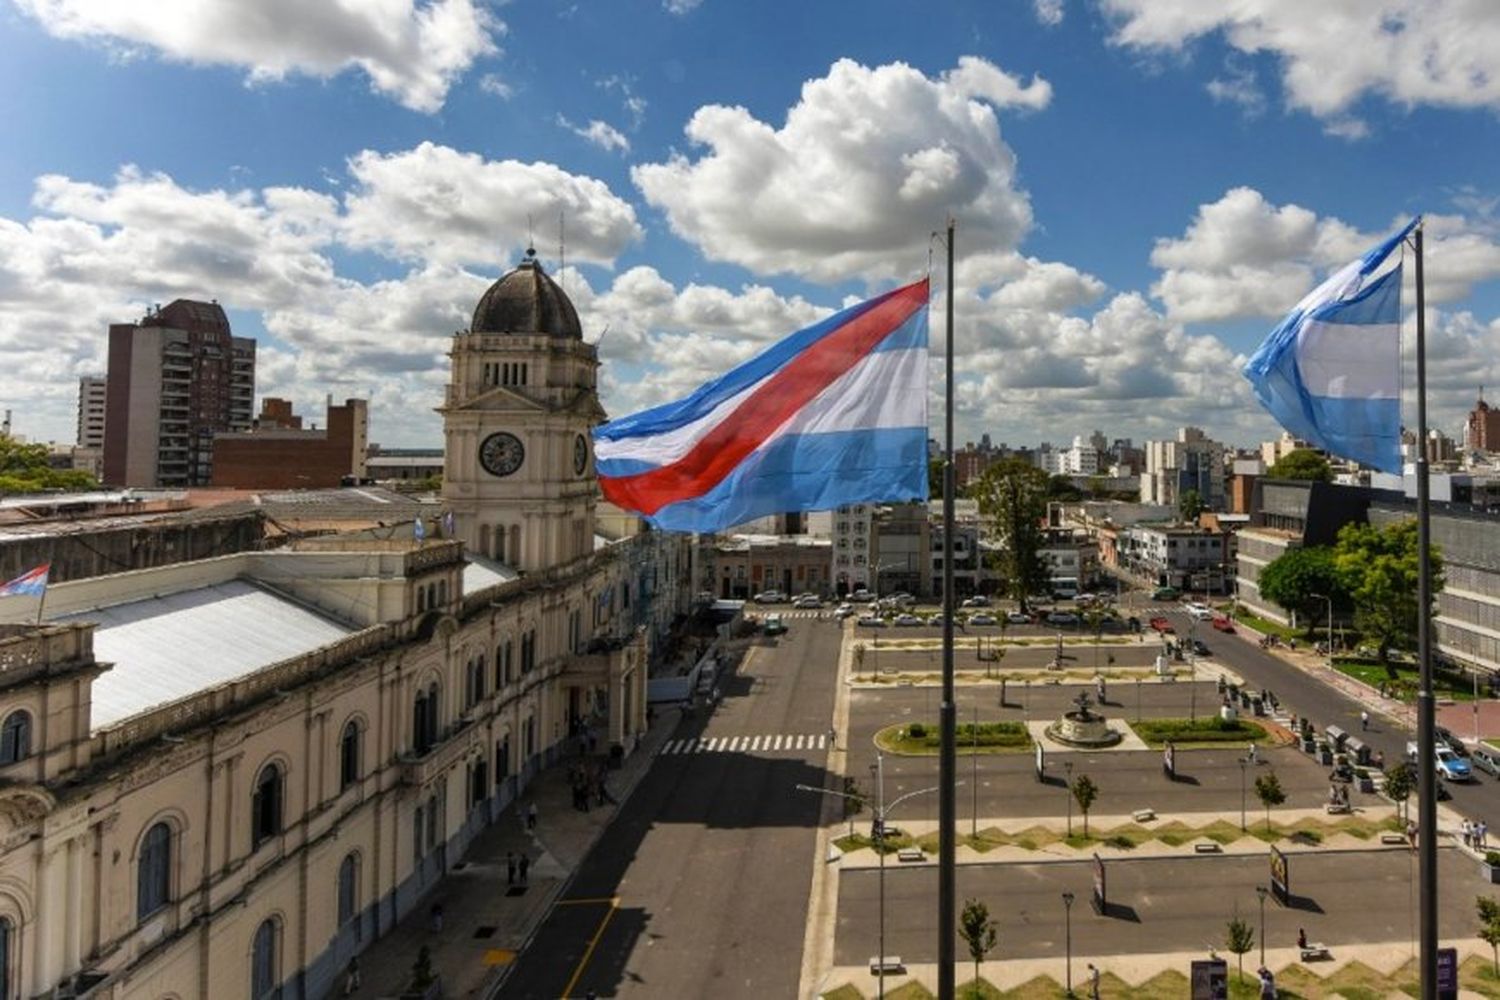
{"x":1156,"y":905}
{"x":692,"y":887}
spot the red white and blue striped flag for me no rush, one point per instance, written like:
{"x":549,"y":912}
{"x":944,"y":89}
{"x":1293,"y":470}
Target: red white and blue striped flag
{"x":32,"y":583}
{"x":834,"y":414}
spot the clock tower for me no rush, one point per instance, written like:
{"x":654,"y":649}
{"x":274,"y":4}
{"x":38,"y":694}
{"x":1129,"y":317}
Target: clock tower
{"x":518,"y":470}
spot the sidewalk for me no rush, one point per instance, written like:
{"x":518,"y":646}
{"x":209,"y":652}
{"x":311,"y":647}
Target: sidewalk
{"x":1316,"y":666}
{"x":484,"y":926}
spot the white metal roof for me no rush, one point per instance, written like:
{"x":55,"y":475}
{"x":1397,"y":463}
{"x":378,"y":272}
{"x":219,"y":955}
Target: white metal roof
{"x":481,"y":572}
{"x":170,"y":647}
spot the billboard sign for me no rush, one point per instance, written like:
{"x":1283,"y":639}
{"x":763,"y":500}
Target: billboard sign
{"x":1281,"y":886}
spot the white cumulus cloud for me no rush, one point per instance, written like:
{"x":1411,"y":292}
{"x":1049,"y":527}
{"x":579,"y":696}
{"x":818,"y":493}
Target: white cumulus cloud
{"x":601,"y":134}
{"x":411,"y":50}
{"x":1335,"y":52}
{"x":866,"y":165}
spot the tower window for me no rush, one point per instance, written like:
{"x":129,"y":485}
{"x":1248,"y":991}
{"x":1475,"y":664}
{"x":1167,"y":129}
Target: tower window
{"x":15,"y":737}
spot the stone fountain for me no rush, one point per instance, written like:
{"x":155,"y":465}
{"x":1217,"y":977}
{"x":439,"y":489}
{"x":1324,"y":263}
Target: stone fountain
{"x":1083,"y":728}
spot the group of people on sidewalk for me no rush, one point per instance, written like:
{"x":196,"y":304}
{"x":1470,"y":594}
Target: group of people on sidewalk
{"x":1476,"y":834}
{"x":586,"y":778}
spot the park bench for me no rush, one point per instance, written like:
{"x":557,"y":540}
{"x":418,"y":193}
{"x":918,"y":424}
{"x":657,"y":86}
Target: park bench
{"x":1335,"y":808}
{"x":1312,"y":951}
{"x":911,"y":854}
{"x":1208,"y":847}
{"x":890,"y":965}
{"x":1143,"y":815}
{"x":1393,"y":839}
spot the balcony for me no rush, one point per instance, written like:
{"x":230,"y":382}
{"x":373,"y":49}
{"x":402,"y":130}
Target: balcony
{"x":419,"y":769}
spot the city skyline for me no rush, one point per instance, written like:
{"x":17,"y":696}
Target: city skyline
{"x":1140,"y":195}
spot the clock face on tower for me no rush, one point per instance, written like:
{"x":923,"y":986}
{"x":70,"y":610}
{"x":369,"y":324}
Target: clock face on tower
{"x":501,"y":454}
{"x":580,"y":455}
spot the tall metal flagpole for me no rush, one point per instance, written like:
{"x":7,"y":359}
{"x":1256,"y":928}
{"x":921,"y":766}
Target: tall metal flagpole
{"x":1426,"y":747}
{"x":948,"y":712}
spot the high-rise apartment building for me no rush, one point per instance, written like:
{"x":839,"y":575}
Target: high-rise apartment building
{"x":175,"y":379}
{"x":91,"y":411}
{"x":1192,"y":462}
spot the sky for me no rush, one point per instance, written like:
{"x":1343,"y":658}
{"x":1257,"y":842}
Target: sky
{"x":1141,"y":188}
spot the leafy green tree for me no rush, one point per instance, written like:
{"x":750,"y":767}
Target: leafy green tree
{"x":26,"y":468}
{"x":1489,"y":927}
{"x":1189,"y":506}
{"x":1291,"y":580}
{"x":859,"y":658}
{"x":979,"y":933}
{"x":1378,"y":567}
{"x":1063,"y":488}
{"x":1301,"y":463}
{"x":1012,"y":496}
{"x":1268,"y":789}
{"x":1239,"y":937}
{"x":1400,"y":782}
{"x":1084,"y":793}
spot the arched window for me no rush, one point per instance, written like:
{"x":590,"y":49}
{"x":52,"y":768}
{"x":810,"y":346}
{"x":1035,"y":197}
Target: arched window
{"x":348,"y":889}
{"x":265,"y":807}
{"x":153,"y":879}
{"x":15,"y":737}
{"x":263,"y":961}
{"x":6,"y":927}
{"x":349,"y":755}
{"x":432,"y":822}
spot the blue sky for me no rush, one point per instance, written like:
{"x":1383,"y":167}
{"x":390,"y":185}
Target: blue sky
{"x":1141,"y":186}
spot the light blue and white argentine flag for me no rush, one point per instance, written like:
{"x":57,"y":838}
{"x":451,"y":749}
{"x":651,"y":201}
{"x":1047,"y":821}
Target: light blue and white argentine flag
{"x":1331,"y":372}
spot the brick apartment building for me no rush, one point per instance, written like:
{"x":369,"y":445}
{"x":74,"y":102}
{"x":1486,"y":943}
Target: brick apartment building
{"x":279,"y":453}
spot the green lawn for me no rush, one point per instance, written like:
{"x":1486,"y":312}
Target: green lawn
{"x":1206,"y":729}
{"x":1265,"y":625}
{"x":1446,"y":684}
{"x":919,"y":739}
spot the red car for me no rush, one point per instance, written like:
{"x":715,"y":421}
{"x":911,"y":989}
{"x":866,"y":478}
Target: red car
{"x":1223,"y":624}
{"x":1163,"y":626}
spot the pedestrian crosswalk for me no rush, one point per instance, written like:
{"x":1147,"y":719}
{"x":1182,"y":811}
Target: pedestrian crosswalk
{"x":771,"y":743}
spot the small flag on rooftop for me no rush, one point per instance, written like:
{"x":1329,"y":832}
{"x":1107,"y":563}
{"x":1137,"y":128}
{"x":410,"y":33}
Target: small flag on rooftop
{"x":833,"y":414}
{"x":32,"y":583}
{"x":1331,"y":371}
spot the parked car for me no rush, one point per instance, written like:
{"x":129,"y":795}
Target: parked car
{"x":983,"y":618}
{"x":1164,"y":594}
{"x":861,"y":595}
{"x":1084,"y":599}
{"x":1018,"y":618}
{"x":1062,"y":618}
{"x":1451,"y":766}
{"x":1446,"y":738}
{"x":774,"y":625}
{"x":1161,"y":624}
{"x":1200,"y":611}
{"x":1200,"y":649}
{"x":908,"y":621}
{"x":870,"y":621}
{"x":808,"y":601}
{"x":977,"y":601}
{"x":1223,"y":624}
{"x":1486,"y":758}
{"x":843,"y":611}
{"x":769,"y":597}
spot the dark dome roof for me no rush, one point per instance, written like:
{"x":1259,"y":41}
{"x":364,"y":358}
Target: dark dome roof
{"x":526,"y":301}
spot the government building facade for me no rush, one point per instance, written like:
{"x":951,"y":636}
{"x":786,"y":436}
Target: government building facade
{"x":224,"y":777}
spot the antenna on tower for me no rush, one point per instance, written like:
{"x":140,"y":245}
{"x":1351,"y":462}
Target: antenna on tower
{"x":530,"y":234}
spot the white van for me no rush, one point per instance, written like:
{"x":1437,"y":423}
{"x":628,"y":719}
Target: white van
{"x":1198,"y":610}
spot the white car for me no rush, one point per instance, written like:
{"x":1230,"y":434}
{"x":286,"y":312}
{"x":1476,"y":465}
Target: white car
{"x":843,"y":611}
{"x":909,"y":621}
{"x":1200,"y":611}
{"x":1062,"y":618}
{"x":983,"y":618}
{"x":870,"y":621}
{"x":977,"y":601}
{"x":808,"y":601}
{"x":862,"y":595}
{"x":1017,"y":618}
{"x":769,"y":597}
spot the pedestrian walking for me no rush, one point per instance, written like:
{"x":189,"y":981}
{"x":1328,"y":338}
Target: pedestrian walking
{"x":531,"y":816}
{"x":833,"y":738}
{"x":1267,"y":984}
{"x":1093,"y":981}
{"x":1468,"y":834}
{"x":351,"y":976}
{"x":1484,"y":834}
{"x":1252,"y":754}
{"x":524,"y":868}
{"x":435,"y":918}
{"x":1364,"y":719}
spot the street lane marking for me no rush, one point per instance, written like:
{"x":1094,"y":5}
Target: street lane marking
{"x":763,"y":743}
{"x":776,"y":743}
{"x":588,"y":953}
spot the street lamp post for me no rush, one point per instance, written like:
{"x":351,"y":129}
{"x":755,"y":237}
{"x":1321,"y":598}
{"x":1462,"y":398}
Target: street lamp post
{"x":882,"y":813}
{"x":1260,"y":891}
{"x":974,"y":819}
{"x":1325,"y":597}
{"x":1243,"y":764}
{"x":1067,"y":899}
